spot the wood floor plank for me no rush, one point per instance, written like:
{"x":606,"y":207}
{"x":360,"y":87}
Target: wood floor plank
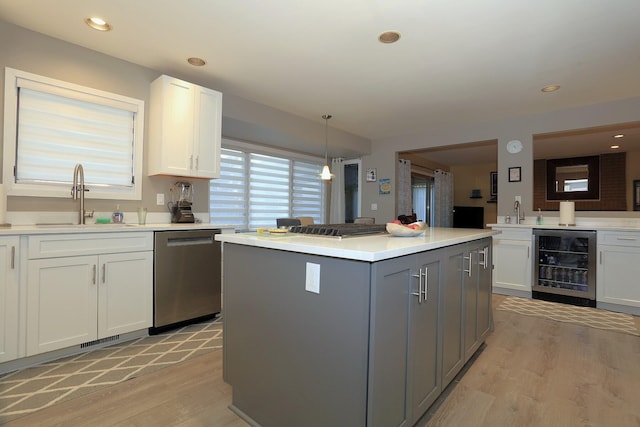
{"x":532,"y":372}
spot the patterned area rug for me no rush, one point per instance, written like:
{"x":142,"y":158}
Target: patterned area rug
{"x":586,"y":316}
{"x":31,"y":389}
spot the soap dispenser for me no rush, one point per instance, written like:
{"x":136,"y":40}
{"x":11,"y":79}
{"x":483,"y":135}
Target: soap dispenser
{"x":539,"y":219}
{"x":117,"y":217}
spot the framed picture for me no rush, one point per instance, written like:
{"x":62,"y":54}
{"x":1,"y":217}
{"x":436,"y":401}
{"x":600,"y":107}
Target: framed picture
{"x":493,"y":184}
{"x":514,"y":174}
{"x":372,"y":175}
{"x":636,"y":195}
{"x":385,"y":186}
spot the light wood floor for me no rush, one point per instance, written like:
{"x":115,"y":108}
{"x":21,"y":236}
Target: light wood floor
{"x":532,"y":372}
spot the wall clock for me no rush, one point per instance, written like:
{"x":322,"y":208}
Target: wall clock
{"x":514,"y":146}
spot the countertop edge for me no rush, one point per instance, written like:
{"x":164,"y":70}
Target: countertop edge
{"x":19,"y":230}
{"x":365,"y":248}
{"x":581,"y":227}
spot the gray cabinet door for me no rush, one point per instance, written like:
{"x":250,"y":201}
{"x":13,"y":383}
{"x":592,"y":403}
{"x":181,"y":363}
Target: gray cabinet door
{"x":391,"y":290}
{"x":470,"y":314}
{"x":450,"y":315}
{"x":424,"y":379}
{"x":477,"y":295}
{"x":404,"y":378}
{"x":485,"y":267}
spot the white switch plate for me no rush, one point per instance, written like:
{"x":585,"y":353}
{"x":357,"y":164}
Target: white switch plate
{"x":519,"y":199}
{"x":160,"y":199}
{"x":312,"y":283}
{"x":374,"y":206}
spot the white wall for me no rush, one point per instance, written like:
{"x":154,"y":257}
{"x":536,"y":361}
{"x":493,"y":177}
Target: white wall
{"x":523,"y":128}
{"x":242,"y":119}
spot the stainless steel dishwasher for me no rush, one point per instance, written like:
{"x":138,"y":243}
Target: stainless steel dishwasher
{"x":187,"y":278}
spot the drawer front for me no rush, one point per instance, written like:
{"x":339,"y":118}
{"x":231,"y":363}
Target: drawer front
{"x":60,"y":245}
{"x":619,"y":238}
{"x":523,"y":234}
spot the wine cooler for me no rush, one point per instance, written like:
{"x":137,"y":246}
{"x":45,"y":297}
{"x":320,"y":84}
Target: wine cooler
{"x":565,"y":266}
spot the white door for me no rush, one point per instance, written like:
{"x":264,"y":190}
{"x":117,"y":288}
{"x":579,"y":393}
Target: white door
{"x":61,"y":302}
{"x":207,"y":128}
{"x":125,"y":297}
{"x":177,"y":127}
{"x":513,"y":265}
{"x":9,"y":298}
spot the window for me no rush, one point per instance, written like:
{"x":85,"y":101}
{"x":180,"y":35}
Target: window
{"x":258,"y":185}
{"x":56,"y":124}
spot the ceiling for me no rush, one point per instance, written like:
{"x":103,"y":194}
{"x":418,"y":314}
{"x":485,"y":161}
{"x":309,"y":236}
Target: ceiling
{"x":460,"y":61}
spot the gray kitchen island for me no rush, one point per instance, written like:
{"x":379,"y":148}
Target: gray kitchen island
{"x":361,"y":331}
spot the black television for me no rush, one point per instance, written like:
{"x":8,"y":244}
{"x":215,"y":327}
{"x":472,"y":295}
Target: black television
{"x":468,"y":217}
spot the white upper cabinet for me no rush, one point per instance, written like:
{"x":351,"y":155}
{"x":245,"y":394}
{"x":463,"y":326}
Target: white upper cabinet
{"x":185,"y":126}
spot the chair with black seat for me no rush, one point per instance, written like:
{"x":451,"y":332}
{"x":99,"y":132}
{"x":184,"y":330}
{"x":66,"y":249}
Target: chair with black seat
{"x":306,"y":220}
{"x":287,"y":222}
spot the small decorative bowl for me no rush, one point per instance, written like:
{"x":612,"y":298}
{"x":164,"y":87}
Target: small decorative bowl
{"x":401,"y":230}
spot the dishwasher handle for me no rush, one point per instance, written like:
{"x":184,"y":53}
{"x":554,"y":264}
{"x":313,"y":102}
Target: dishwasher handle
{"x":189,"y":241}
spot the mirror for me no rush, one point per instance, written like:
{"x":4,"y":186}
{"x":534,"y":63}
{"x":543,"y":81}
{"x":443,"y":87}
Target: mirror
{"x":618,"y":148}
{"x":576,"y":178}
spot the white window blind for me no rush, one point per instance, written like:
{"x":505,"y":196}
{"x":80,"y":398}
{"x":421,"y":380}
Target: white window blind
{"x":256,"y":188}
{"x":57,"y":125}
{"x":55,"y":133}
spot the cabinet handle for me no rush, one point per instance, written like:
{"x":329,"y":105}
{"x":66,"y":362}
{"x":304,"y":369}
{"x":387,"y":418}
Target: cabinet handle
{"x":470,"y":263}
{"x":633,"y":239}
{"x":483,"y":252}
{"x":197,"y":162}
{"x":13,"y":257}
{"x":104,"y":273}
{"x":94,"y":274}
{"x":419,"y":293}
{"x":600,"y":258}
{"x":426,"y":282}
{"x":191,"y":162}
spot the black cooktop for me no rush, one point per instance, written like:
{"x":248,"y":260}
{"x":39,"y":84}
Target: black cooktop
{"x":339,"y":230}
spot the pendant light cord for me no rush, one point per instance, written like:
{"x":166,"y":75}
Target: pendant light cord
{"x":326,"y":118}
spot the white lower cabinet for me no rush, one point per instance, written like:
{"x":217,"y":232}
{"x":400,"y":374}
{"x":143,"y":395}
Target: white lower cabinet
{"x":9,"y":298}
{"x":77,"y":299}
{"x":618,"y":271}
{"x":512,"y":259}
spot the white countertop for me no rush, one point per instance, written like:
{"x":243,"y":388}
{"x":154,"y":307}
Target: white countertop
{"x":586,"y":225}
{"x":106,"y":228}
{"x":366,"y":248}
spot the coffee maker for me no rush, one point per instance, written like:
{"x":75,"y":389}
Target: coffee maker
{"x":181,"y":201}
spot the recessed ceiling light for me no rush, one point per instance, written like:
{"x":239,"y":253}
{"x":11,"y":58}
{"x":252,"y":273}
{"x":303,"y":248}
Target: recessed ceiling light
{"x":389,"y":37}
{"x":618,"y":136}
{"x":98,"y":24}
{"x":550,"y":88}
{"x":615,"y":147}
{"x":196,"y":62}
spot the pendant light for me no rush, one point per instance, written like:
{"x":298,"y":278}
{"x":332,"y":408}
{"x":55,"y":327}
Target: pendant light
{"x":326,"y":173}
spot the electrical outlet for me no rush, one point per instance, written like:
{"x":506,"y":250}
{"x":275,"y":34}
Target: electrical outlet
{"x":519,"y":199}
{"x":312,"y":283}
{"x":374,"y":206}
{"x":160,"y":199}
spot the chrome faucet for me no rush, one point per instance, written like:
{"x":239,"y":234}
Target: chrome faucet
{"x":516,"y":208}
{"x":77,"y":192}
